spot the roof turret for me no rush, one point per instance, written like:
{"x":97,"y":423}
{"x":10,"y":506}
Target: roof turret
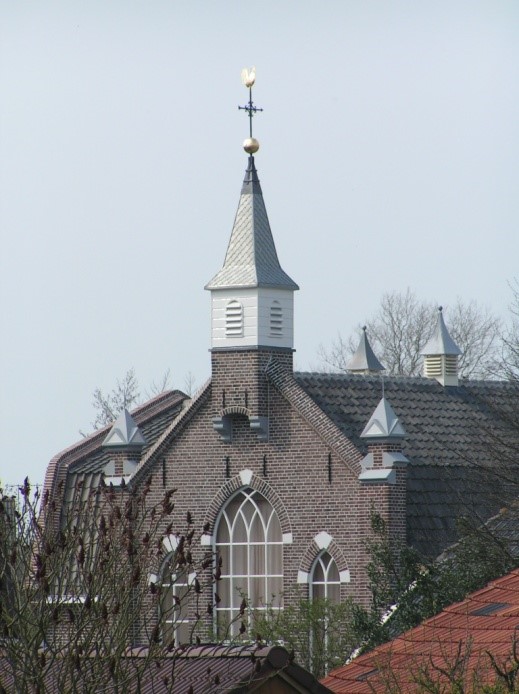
{"x":441,"y":355}
{"x":364,"y":359}
{"x":383,"y":423}
{"x":441,"y":342}
{"x":124,"y":433}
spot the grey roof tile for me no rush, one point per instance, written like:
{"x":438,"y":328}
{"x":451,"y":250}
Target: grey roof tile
{"x":450,"y":444}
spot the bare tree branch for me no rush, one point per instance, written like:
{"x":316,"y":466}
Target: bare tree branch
{"x":403,"y":325}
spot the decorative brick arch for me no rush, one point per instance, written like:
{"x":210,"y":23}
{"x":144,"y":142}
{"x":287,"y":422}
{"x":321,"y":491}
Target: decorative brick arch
{"x":246,"y":478}
{"x":322,"y":542}
{"x":235,"y":409}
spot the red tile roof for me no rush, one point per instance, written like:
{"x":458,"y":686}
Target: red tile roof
{"x":458,"y":643}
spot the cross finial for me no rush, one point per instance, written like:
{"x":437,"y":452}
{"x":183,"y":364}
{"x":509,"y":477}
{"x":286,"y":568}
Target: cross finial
{"x":248,"y":77}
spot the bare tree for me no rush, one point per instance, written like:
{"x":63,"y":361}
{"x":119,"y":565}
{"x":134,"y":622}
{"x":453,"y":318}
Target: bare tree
{"x":126,"y":394}
{"x":74,"y":598}
{"x":107,"y":406}
{"x":403,"y":325}
{"x":510,"y":353}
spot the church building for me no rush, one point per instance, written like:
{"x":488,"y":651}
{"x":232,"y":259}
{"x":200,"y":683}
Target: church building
{"x":283,"y":469}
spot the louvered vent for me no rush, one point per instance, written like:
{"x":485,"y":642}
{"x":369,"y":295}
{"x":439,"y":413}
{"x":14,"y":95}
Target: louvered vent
{"x":276,"y":319}
{"x":451,"y":365}
{"x":234,"y":319}
{"x":433,"y":367}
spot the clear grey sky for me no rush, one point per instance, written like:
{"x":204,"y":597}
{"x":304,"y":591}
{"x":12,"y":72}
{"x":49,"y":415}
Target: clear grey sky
{"x":389,"y":158}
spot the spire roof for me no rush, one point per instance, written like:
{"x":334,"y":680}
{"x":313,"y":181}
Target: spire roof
{"x":441,"y":342}
{"x":364,"y":358}
{"x":251,"y":259}
{"x":124,"y":432}
{"x":383,"y":423}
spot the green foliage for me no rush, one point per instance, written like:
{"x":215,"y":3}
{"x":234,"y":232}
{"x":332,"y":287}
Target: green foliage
{"x":317,"y":631}
{"x":406,"y":588}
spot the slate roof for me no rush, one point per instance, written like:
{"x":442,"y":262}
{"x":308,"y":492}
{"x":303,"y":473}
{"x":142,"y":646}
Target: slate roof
{"x":455,"y":438}
{"x":80,"y":466}
{"x":251,"y":259}
{"x":204,"y":669}
{"x":464,"y":634}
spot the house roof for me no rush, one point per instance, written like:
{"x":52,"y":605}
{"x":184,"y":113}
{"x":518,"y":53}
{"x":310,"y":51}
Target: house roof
{"x":461,"y":637}
{"x":205,"y":669}
{"x":447,"y":444}
{"x":251,"y":259}
{"x":455,"y":436}
{"x":85,"y":460}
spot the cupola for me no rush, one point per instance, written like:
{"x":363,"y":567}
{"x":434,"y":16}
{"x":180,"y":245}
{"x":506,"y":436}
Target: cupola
{"x":441,"y":355}
{"x":364,"y":360}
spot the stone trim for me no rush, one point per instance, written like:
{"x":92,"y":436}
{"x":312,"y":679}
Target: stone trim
{"x":258,"y":484}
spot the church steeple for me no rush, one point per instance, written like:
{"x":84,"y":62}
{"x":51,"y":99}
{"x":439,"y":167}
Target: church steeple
{"x":251,"y":260}
{"x":252,"y":307}
{"x":252,"y":296}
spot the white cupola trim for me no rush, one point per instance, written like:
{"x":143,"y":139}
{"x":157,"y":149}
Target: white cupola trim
{"x":441,"y":355}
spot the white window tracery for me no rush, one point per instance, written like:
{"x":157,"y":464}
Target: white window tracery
{"x":249,"y":543}
{"x":325,"y":582}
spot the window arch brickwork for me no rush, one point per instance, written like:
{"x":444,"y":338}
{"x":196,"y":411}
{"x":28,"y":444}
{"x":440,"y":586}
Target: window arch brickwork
{"x":246,"y":478}
{"x":322,"y":541}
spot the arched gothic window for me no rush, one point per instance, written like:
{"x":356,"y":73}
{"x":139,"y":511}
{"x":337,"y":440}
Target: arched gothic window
{"x":325,"y":582}
{"x":177,"y":586}
{"x":249,"y":543}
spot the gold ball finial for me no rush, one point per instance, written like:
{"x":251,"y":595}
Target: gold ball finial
{"x":251,"y":145}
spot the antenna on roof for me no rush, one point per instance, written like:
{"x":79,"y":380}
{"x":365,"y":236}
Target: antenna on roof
{"x":248,"y":77}
{"x":382,"y":384}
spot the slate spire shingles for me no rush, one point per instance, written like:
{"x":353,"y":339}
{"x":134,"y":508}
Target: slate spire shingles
{"x":251,"y":259}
